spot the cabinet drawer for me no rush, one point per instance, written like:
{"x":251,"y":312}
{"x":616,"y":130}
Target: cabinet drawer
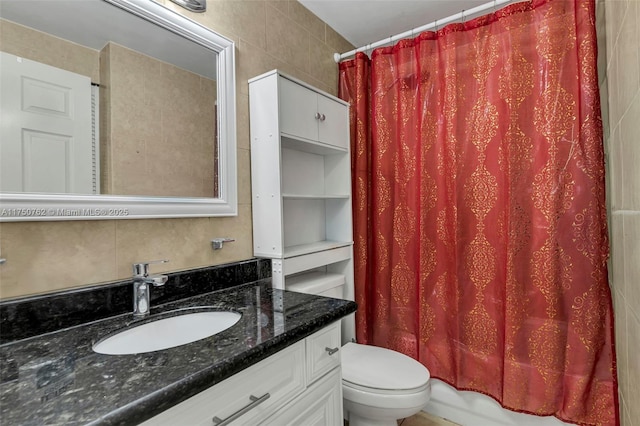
{"x":321,"y":405}
{"x":281,"y":376}
{"x":323,"y":352}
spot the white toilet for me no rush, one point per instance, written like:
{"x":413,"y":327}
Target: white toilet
{"x":379,"y":386}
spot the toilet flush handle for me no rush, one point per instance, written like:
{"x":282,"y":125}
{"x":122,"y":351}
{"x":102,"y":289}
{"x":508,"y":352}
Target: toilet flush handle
{"x":331,"y":351}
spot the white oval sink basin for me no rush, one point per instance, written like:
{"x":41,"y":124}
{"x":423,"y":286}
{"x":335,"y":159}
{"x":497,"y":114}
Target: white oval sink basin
{"x":167,"y":333}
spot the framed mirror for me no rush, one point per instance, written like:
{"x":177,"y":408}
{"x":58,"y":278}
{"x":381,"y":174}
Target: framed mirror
{"x":114,"y":109}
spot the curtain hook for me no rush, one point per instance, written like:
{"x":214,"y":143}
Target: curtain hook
{"x":494,"y":6}
{"x":436,"y":25}
{"x":463,"y":16}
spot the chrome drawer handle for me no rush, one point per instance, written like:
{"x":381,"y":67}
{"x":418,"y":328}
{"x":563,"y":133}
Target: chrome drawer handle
{"x":331,"y":351}
{"x":255,"y":401}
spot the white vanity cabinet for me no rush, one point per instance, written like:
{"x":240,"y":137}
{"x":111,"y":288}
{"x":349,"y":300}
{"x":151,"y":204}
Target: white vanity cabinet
{"x":277,"y":390}
{"x":300,"y":180}
{"x":321,"y":406}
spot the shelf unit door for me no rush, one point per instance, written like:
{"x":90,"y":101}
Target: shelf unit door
{"x":298,"y":107}
{"x":334,"y":129}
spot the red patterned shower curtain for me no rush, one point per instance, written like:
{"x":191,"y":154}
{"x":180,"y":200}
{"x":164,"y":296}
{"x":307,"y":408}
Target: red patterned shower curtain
{"x":479,"y":208}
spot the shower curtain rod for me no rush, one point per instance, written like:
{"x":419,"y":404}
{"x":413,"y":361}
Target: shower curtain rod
{"x":438,"y":22}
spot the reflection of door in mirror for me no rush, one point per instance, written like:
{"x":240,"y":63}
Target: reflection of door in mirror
{"x":48,"y":144}
{"x":156,"y":123}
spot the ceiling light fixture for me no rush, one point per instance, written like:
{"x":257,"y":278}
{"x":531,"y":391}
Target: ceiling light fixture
{"x":197,"y":6}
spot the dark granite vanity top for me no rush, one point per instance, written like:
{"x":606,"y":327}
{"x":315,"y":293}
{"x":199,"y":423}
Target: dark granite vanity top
{"x":56,"y":379}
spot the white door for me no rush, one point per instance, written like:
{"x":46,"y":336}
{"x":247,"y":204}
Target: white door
{"x":45,"y":129}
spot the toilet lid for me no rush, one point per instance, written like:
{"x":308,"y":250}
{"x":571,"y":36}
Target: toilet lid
{"x":381,"y":368}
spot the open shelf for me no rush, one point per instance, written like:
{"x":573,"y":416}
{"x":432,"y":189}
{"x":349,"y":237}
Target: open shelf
{"x":314,"y":247}
{"x":310,"y":146}
{"x":316,"y":196}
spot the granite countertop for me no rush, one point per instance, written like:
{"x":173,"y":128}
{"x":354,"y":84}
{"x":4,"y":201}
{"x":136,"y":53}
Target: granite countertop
{"x":56,"y":378}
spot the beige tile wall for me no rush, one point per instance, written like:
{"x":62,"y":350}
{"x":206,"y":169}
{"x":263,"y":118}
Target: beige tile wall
{"x":161,"y":127}
{"x":618,"y":23}
{"x":46,"y":256}
{"x":37,"y":46}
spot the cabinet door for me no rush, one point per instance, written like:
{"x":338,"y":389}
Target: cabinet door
{"x":323,"y":351}
{"x":258,"y":391}
{"x":320,"y":405}
{"x":333,"y":128}
{"x":298,"y":108}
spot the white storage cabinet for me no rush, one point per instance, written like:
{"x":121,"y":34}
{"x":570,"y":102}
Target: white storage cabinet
{"x":300,"y":180}
{"x":300,"y":383}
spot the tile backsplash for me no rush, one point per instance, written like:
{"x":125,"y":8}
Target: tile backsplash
{"x":50,"y":256}
{"x":30,"y":316}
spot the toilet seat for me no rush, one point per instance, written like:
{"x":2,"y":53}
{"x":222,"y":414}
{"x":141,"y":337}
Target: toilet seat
{"x":391,"y":392}
{"x":414,"y":399}
{"x":381,"y":371}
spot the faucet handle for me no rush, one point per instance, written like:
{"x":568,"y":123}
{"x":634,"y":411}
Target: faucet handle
{"x":141,"y":269}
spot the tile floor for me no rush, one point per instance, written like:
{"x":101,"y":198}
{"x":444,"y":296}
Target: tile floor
{"x":425,"y":419}
{"x":422,"y":419}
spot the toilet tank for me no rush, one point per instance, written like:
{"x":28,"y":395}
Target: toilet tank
{"x":318,"y":283}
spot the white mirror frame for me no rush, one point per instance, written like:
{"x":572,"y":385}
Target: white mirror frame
{"x":47,"y":207}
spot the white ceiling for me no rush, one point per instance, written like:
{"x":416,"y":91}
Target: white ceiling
{"x":93,"y":23}
{"x":366,"y":21}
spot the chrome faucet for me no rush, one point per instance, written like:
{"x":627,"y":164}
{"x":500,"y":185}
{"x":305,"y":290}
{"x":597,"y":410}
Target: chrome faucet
{"x":141,"y":281}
